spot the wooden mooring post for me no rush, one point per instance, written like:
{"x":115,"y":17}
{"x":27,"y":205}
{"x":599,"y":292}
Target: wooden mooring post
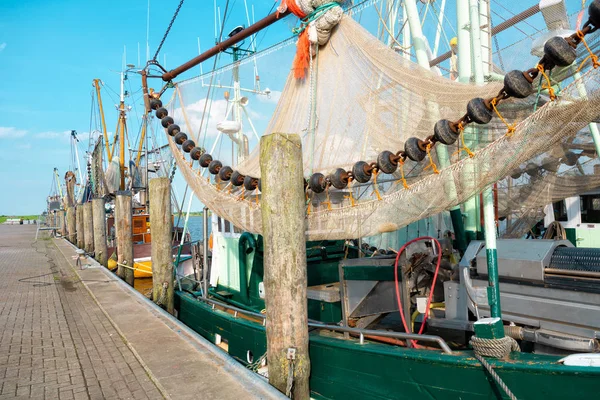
{"x":99,"y":217}
{"x":284,"y":226}
{"x":88,"y":228}
{"x":124,"y":236}
{"x":161,"y":227}
{"x":71,"y":226}
{"x":79,"y":224}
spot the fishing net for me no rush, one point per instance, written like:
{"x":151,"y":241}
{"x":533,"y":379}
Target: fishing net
{"x":360,"y":97}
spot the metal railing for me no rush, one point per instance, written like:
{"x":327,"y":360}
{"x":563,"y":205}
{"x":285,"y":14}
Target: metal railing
{"x":361,"y":333}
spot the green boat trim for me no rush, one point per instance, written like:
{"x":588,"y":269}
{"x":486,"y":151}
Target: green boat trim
{"x":345,"y":368}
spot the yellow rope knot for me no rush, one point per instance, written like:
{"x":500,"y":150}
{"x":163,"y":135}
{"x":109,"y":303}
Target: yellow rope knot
{"x":548,"y":84}
{"x":403,"y":179}
{"x":510,"y":128}
{"x":431,"y":163}
{"x":328,"y":201}
{"x":461,"y":130}
{"x":375,"y":186}
{"x":350,"y":196}
{"x":592,"y":56}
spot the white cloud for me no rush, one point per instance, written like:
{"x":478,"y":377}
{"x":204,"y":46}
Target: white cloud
{"x":53,"y":135}
{"x":10,"y":132}
{"x":2,"y":46}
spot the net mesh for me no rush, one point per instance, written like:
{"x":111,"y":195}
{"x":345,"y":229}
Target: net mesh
{"x":361,"y":98}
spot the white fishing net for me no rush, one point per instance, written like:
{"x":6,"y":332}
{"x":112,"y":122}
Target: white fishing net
{"x":362,"y":98}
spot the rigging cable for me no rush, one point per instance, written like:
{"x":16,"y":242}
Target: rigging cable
{"x":168,"y":30}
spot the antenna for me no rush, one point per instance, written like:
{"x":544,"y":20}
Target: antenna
{"x":215,"y":10}
{"x":201,"y":72}
{"x":124,"y":57}
{"x":148,"y":33}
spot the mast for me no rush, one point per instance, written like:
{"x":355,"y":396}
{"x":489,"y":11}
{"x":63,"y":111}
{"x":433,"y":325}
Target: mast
{"x":122,"y":130}
{"x":104,"y":131}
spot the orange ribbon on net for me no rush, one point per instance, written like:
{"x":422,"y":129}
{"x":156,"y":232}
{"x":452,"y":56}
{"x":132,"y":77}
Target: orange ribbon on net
{"x":302,"y":59}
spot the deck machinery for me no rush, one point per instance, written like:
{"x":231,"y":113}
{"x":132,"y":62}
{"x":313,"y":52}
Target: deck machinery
{"x":550,"y":293}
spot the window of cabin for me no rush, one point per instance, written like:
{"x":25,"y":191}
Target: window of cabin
{"x":590,"y":208}
{"x":560,"y":211}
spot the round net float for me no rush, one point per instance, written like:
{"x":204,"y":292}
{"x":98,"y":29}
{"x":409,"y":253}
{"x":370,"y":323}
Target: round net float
{"x":444,"y":132}
{"x":570,"y":159}
{"x":196,"y":153}
{"x":188,"y":145}
{"x":214,"y":167}
{"x":414,"y":149}
{"x":317,"y":182}
{"x":173,"y":129}
{"x":559,"y":52}
{"x":517,"y":84}
{"x":478,"y":111}
{"x":339,"y":178}
{"x":362,"y":171}
{"x":594,"y":13}
{"x":237,"y":179}
{"x":550,"y":164}
{"x":225,"y":173}
{"x":166,"y":122}
{"x":205,"y":159}
{"x":161,"y":113}
{"x":516,"y":173}
{"x":532,"y":169}
{"x":155,"y":104}
{"x":180,"y":138}
{"x":387,"y":162}
{"x":250,"y":183}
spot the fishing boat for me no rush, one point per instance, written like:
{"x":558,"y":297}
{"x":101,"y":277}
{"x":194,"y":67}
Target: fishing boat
{"x":388,"y":143}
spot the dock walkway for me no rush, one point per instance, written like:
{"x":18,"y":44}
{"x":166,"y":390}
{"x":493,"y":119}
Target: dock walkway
{"x":67,"y":333}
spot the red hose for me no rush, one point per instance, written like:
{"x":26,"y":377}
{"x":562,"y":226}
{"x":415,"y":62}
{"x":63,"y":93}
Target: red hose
{"x":437,"y":268}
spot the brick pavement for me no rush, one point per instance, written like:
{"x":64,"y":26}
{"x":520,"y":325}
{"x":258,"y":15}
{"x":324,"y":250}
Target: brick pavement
{"x":55,"y":342}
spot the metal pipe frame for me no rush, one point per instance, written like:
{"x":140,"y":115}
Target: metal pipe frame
{"x":360,"y":332}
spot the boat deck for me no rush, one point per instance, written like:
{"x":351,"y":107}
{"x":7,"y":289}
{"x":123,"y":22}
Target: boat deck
{"x":69,"y":333}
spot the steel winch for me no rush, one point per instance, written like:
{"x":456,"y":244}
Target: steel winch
{"x":549,"y":291}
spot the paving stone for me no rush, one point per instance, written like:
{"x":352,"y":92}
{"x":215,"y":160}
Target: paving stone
{"x":55,"y":342}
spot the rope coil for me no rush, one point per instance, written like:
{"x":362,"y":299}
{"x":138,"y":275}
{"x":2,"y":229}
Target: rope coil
{"x":497,"y":348}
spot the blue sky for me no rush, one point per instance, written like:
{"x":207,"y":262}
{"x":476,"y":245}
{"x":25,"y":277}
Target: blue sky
{"x":49,"y":54}
{"x":51,"y":51}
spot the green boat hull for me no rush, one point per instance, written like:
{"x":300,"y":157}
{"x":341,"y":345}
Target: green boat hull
{"x":346,"y":369}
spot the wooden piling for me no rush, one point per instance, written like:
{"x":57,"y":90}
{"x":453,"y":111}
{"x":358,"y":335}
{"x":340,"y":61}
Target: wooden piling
{"x":88,"y":228}
{"x":99,"y":217}
{"x":71,"y":225}
{"x":124,"y":236}
{"x":283,"y":222}
{"x":79,"y":224}
{"x":161,"y":227}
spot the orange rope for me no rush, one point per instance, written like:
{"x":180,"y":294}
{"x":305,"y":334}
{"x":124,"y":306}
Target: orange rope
{"x":256,"y":194}
{"x":461,"y":129}
{"x":350,"y":196}
{"x":431,"y":163}
{"x":592,"y":56}
{"x":511,"y":128}
{"x":402,"y":179}
{"x":328,"y":201}
{"x":375,"y":186}
{"x":548,"y":84}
